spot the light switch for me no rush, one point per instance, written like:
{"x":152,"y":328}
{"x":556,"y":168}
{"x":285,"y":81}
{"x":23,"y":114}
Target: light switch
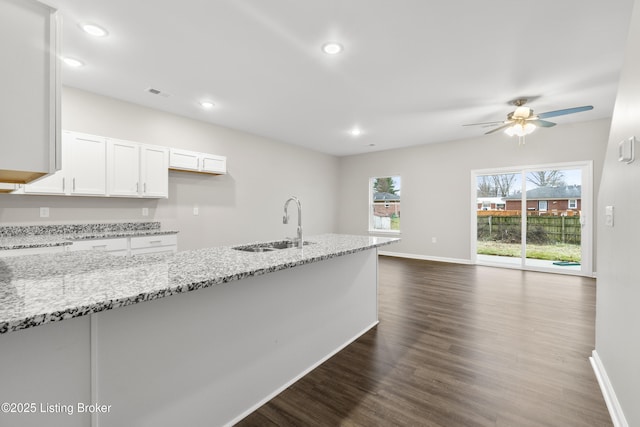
{"x":608,"y":216}
{"x":145,"y":211}
{"x":44,"y":212}
{"x":196,"y":210}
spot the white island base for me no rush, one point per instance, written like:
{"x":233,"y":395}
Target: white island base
{"x":203,"y":358}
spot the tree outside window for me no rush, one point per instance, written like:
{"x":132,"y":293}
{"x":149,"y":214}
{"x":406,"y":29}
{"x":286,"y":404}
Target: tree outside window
{"x":384,"y":213}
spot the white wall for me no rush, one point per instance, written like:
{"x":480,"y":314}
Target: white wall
{"x":617,"y":313}
{"x":242,"y":206}
{"x":436,"y":181}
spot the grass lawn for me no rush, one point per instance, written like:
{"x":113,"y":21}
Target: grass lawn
{"x":555,"y":252}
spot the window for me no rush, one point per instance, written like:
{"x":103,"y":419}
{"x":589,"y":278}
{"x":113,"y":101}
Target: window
{"x":573,"y":203}
{"x":542,"y":205}
{"x":384,"y":201}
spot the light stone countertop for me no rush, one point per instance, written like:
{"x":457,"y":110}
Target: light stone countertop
{"x":39,"y":289}
{"x":23,"y":237}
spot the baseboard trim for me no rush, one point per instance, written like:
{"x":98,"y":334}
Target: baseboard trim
{"x":425,"y":257}
{"x":610,"y":398}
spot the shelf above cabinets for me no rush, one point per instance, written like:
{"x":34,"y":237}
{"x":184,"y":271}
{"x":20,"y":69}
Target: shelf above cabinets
{"x":193,"y":161}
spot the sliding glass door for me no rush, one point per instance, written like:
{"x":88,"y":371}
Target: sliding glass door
{"x":534,"y":217}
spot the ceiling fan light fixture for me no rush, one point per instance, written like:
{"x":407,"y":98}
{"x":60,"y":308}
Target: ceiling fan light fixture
{"x":520,"y":129}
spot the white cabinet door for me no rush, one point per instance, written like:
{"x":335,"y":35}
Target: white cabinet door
{"x":30,"y":100}
{"x":85,"y":163}
{"x":51,"y":184}
{"x":123,"y":168}
{"x":183,"y":159}
{"x":194,"y":161}
{"x":214,"y":164}
{"x":154,"y":171}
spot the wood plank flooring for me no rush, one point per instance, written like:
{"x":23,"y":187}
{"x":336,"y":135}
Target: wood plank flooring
{"x":458,"y":345}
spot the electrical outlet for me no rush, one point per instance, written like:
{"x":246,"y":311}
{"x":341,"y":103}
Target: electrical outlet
{"x":434,"y":240}
{"x":44,"y":212}
{"x":145,"y":211}
{"x":196,"y":210}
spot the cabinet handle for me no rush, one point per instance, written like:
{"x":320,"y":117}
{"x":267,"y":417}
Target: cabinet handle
{"x":99,"y":247}
{"x":63,"y":184}
{"x":155,"y":242}
{"x":144,"y":186}
{"x":198,"y":165}
{"x":137,"y":187}
{"x":74,"y":184}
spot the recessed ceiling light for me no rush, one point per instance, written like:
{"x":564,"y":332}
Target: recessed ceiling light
{"x":73,"y":62}
{"x":332,"y":48}
{"x":207,"y":104}
{"x":355,"y":132}
{"x":94,"y":30}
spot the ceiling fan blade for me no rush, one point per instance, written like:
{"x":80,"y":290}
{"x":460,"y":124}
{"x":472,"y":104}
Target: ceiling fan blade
{"x":542,"y":123}
{"x":565,"y":111}
{"x":504,"y":126}
{"x":485,"y":123}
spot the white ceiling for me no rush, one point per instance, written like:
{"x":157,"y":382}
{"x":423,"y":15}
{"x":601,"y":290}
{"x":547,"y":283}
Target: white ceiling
{"x":412,"y":71}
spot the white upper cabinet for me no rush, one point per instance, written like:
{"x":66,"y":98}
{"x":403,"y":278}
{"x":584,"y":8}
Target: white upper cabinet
{"x":214,"y":164}
{"x":83,"y":169}
{"x":193,"y":161}
{"x":137,"y":170}
{"x":123,"y":168}
{"x":85,"y":164}
{"x":30,"y":101}
{"x":154,"y":171}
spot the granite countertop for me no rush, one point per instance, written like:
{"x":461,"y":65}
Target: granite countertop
{"x":39,"y":289}
{"x":23,"y":237}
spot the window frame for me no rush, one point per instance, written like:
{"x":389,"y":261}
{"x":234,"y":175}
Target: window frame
{"x":544,"y":203}
{"x":371,"y":224}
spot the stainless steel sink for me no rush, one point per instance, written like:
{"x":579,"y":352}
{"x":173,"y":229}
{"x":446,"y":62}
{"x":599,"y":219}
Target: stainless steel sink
{"x":269,"y":247}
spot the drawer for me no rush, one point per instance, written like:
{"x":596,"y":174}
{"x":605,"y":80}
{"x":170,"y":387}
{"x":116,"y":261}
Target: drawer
{"x":153,"y":241}
{"x":31,"y":251}
{"x":109,"y":245}
{"x":155,"y":250}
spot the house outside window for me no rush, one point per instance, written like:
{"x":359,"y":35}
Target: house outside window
{"x":573,"y":204}
{"x":542,"y":205}
{"x":384,"y":204}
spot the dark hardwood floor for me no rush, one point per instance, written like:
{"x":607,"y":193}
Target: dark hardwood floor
{"x":458,"y":345}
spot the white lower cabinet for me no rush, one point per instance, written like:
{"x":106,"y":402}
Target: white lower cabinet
{"x":117,"y":246}
{"x":31,"y":251}
{"x":154,"y":244}
{"x":125,"y":246}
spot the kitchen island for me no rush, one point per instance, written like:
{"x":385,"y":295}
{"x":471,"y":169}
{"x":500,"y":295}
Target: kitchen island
{"x":201,"y":337}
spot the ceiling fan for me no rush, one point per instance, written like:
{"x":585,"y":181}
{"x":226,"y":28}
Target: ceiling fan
{"x":522,"y":121}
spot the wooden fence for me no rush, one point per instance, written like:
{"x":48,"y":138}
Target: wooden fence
{"x":540,"y":229}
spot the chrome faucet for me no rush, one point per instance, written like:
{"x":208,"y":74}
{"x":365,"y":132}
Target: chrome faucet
{"x":285,"y":218}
